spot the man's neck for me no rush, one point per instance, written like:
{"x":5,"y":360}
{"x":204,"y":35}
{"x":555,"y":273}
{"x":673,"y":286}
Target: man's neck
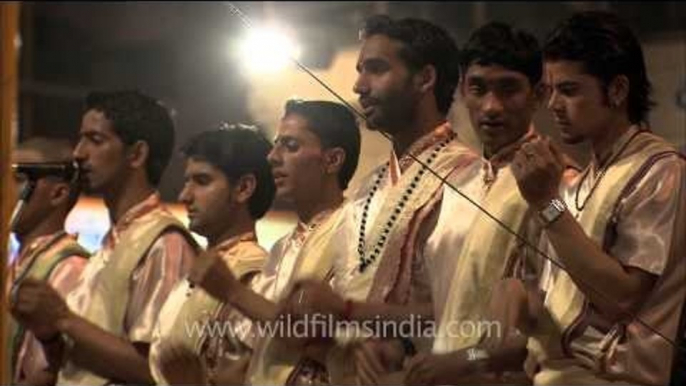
{"x":490,"y":150}
{"x":604,"y":142}
{"x":328,"y":199}
{"x":119,"y":202}
{"x":49,"y":226}
{"x":237,"y":228}
{"x":419,"y":127}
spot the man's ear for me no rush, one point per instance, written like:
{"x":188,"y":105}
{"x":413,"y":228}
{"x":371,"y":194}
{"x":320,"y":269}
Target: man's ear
{"x":618,"y":91}
{"x":244,"y":188}
{"x":138,"y":154}
{"x":426,"y":78}
{"x":333,"y":160}
{"x":59,"y":194}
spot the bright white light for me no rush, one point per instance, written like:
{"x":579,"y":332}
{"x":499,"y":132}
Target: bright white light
{"x":267,"y":50}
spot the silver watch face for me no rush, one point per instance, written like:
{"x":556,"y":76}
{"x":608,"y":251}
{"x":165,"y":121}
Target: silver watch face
{"x":554,"y":209}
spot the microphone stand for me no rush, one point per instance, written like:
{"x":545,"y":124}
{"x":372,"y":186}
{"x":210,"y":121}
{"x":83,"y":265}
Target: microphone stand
{"x":24,"y":197}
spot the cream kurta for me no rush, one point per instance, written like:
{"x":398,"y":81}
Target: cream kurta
{"x":642,"y":235}
{"x":158,"y":270}
{"x":303,"y":253}
{"x":463,"y":288}
{"x":280,"y":265}
{"x":190,"y":317}
{"x":429,"y":239}
{"x":434,"y":238}
{"x":167,"y":261}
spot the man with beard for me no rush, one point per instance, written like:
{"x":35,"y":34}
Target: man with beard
{"x":399,"y":218}
{"x":102,"y":333}
{"x":501,"y":89}
{"x":612,"y":313}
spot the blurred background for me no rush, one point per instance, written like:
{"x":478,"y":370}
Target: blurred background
{"x":205,"y":65}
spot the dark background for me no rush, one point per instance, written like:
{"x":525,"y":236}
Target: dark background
{"x":177,"y":51}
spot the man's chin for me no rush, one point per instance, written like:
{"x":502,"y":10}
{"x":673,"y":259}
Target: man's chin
{"x":571,"y":139}
{"x":284,"y":193}
{"x":89,"y":187}
{"x":196,"y":228}
{"x":374,"y":122}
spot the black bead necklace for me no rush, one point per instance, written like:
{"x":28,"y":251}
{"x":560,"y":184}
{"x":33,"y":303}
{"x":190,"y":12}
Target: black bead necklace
{"x":366,"y":261}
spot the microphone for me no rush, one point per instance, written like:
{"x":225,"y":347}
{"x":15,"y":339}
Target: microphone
{"x":69,"y":171}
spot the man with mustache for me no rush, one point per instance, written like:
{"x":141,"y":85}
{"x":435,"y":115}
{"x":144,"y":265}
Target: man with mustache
{"x":102,"y":333}
{"x":618,"y":229}
{"x":46,"y":251}
{"x":397,"y":235}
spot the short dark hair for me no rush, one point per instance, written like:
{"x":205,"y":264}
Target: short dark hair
{"x":238,"y":150}
{"x":335,"y":126}
{"x":56,"y":150}
{"x":424,"y":44}
{"x":138,"y":117}
{"x":498,"y":43}
{"x":606,"y":47}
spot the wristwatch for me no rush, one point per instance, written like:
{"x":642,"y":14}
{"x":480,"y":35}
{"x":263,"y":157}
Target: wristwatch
{"x":476,"y":354}
{"x":479,"y":359}
{"x":552,"y":211}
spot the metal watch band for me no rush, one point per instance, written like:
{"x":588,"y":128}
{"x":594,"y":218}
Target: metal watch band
{"x":552,"y":211}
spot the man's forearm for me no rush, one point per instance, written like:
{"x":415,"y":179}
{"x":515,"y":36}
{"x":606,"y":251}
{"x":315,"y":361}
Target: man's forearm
{"x":102,"y":353}
{"x":251,"y":304}
{"x":613,"y":289}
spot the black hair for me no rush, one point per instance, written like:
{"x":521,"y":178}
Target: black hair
{"x":238,"y":150}
{"x":423,"y":44}
{"x":500,"y":44}
{"x":606,"y":47}
{"x":335,"y":126}
{"x":138,"y":117}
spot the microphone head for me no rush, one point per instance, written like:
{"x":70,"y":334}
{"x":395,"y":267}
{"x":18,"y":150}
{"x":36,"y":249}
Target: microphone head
{"x":68,"y":171}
